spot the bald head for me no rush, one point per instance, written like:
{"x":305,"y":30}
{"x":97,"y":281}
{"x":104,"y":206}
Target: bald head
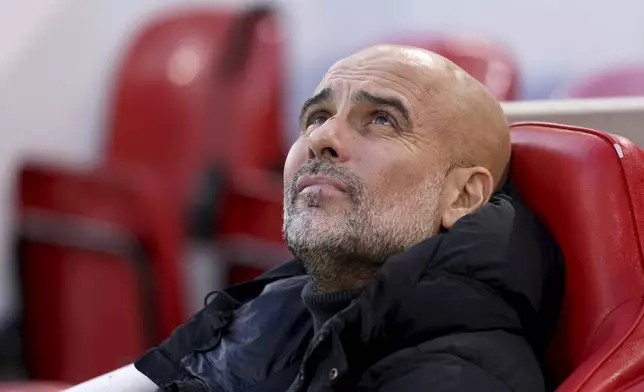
{"x":396,"y":144}
{"x":464,"y":115}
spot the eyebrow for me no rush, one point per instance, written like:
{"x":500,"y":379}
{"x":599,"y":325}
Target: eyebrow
{"x":323,"y":96}
{"x":326,"y":94}
{"x":394,"y":103}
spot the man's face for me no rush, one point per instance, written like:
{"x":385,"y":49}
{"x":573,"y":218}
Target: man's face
{"x":364,"y":179}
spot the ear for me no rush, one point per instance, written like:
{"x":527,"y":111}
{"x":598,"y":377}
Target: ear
{"x":466,"y":190}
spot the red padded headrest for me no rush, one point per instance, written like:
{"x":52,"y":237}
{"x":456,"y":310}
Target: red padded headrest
{"x":588,"y":188}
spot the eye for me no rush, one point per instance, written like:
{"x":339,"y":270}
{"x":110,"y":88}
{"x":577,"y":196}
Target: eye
{"x":381,"y":118}
{"x":317,"y":119}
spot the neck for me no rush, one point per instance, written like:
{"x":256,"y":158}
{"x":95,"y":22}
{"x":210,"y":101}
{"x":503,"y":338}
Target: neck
{"x":331,"y":286}
{"x":324,"y":306}
{"x":333,"y":271}
{"x":345,"y":278}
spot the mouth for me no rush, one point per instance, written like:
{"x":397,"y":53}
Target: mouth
{"x":308,"y":183}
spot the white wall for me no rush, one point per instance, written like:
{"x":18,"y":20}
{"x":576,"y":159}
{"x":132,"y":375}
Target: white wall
{"x":56,"y":58}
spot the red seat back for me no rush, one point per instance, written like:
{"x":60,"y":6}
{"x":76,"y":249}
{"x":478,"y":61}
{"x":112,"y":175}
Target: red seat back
{"x":588,"y":188}
{"x":98,"y":259}
{"x":488,"y":62}
{"x":617,"y":82}
{"x":176,"y":116}
{"x":164,"y":91}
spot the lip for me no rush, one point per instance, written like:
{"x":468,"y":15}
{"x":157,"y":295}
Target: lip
{"x":306,"y":181}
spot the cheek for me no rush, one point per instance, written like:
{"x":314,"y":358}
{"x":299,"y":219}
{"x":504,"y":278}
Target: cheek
{"x":297,"y":155}
{"x":396,"y":178}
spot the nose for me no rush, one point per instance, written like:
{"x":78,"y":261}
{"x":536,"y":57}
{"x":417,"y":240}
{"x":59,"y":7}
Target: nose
{"x":328,"y":141}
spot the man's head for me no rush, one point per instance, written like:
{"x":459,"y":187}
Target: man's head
{"x":396,"y":144}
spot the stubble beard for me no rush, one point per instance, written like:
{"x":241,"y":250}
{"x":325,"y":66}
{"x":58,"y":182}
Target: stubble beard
{"x":343,"y":247}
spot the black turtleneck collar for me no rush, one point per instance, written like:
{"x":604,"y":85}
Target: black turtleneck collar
{"x":323,"y":306}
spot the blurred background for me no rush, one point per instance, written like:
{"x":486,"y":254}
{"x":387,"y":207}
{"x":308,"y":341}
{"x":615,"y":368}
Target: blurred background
{"x":142,"y":142}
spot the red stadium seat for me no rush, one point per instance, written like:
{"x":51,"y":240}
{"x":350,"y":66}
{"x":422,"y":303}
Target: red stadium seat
{"x":488,"y":62}
{"x":616,"y":82}
{"x":164,"y":90}
{"x":98,"y":253}
{"x":199,"y":101}
{"x":588,"y":188}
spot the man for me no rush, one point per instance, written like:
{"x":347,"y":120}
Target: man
{"x":411,"y":273}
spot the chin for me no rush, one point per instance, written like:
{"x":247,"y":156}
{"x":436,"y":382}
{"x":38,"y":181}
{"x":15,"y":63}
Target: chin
{"x":312,"y":217}
{"x":315,"y":221}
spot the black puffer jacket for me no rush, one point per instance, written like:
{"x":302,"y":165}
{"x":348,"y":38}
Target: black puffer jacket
{"x":461,"y":311}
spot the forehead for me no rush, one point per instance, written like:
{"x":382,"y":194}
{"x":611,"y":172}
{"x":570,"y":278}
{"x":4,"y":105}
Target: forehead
{"x":413,"y":82}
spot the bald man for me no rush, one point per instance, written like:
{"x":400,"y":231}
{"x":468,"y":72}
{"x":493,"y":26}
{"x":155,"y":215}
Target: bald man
{"x":416,"y":266}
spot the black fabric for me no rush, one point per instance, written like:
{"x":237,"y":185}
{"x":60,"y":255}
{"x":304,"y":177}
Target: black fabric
{"x":462,"y":311}
{"x":323,"y":306}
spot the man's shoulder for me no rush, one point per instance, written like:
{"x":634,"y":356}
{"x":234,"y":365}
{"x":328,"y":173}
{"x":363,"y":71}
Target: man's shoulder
{"x":260,"y":304}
